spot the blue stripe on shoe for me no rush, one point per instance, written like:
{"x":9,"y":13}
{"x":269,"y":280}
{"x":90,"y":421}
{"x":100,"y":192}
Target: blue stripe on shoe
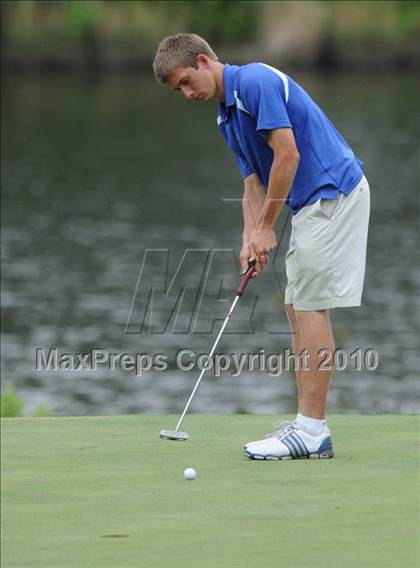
{"x":292,"y":440}
{"x":296,"y":445}
{"x":302,"y":447}
{"x":290,"y":446}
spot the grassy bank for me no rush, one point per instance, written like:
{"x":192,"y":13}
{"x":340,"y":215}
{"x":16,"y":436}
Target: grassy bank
{"x":107,"y":492}
{"x":97,"y":34}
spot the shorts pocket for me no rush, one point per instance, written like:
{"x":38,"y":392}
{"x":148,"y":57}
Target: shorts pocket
{"x":328,"y":206}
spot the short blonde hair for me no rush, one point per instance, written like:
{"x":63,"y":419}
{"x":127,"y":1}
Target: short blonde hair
{"x":179,"y":50}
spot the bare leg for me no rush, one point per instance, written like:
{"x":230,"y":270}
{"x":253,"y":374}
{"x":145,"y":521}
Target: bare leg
{"x":295,"y":345}
{"x":313,"y":334}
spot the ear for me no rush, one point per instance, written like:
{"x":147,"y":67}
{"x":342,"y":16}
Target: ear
{"x":202,"y":60}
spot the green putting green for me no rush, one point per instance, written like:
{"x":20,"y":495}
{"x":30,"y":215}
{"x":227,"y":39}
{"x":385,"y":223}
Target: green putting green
{"x":107,"y":492}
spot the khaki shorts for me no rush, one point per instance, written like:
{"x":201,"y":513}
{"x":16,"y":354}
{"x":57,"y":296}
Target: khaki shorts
{"x":325,"y":263}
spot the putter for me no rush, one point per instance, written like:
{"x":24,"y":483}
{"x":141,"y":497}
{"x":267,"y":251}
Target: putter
{"x":182,"y":436}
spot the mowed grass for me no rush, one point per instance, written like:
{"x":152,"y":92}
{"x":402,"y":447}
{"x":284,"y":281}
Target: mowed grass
{"x":107,"y":492}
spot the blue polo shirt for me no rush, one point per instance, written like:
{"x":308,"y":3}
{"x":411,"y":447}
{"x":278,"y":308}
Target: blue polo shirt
{"x":259,"y":98}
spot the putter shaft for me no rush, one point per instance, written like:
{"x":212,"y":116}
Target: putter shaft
{"x":205,"y":369}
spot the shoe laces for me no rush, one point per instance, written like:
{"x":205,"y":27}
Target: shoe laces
{"x":280,"y":428}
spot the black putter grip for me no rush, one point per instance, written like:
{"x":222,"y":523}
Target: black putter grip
{"x":246,"y":278}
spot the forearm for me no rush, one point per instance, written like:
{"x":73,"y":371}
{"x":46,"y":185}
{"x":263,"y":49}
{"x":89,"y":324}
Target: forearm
{"x":252,"y":204}
{"x":282,"y":172}
{"x":251,"y":208}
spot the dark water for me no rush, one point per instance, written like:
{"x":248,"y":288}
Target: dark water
{"x":96,"y":173}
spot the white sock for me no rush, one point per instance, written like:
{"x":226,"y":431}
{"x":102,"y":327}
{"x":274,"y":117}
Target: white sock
{"x":313,"y":426}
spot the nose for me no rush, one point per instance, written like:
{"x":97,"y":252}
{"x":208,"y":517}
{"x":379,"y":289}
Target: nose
{"x":188,"y":93}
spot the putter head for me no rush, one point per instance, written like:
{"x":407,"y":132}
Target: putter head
{"x":173,"y":435}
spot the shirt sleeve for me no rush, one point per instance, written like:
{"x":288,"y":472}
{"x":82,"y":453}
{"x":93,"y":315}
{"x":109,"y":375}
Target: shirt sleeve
{"x":262,"y":98}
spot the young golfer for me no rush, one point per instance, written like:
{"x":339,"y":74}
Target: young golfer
{"x":288,"y":152}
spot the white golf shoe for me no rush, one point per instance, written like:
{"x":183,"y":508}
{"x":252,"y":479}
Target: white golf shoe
{"x":290,"y":442}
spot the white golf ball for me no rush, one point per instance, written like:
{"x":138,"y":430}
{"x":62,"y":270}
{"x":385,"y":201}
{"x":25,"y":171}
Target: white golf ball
{"x":189,"y":473}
